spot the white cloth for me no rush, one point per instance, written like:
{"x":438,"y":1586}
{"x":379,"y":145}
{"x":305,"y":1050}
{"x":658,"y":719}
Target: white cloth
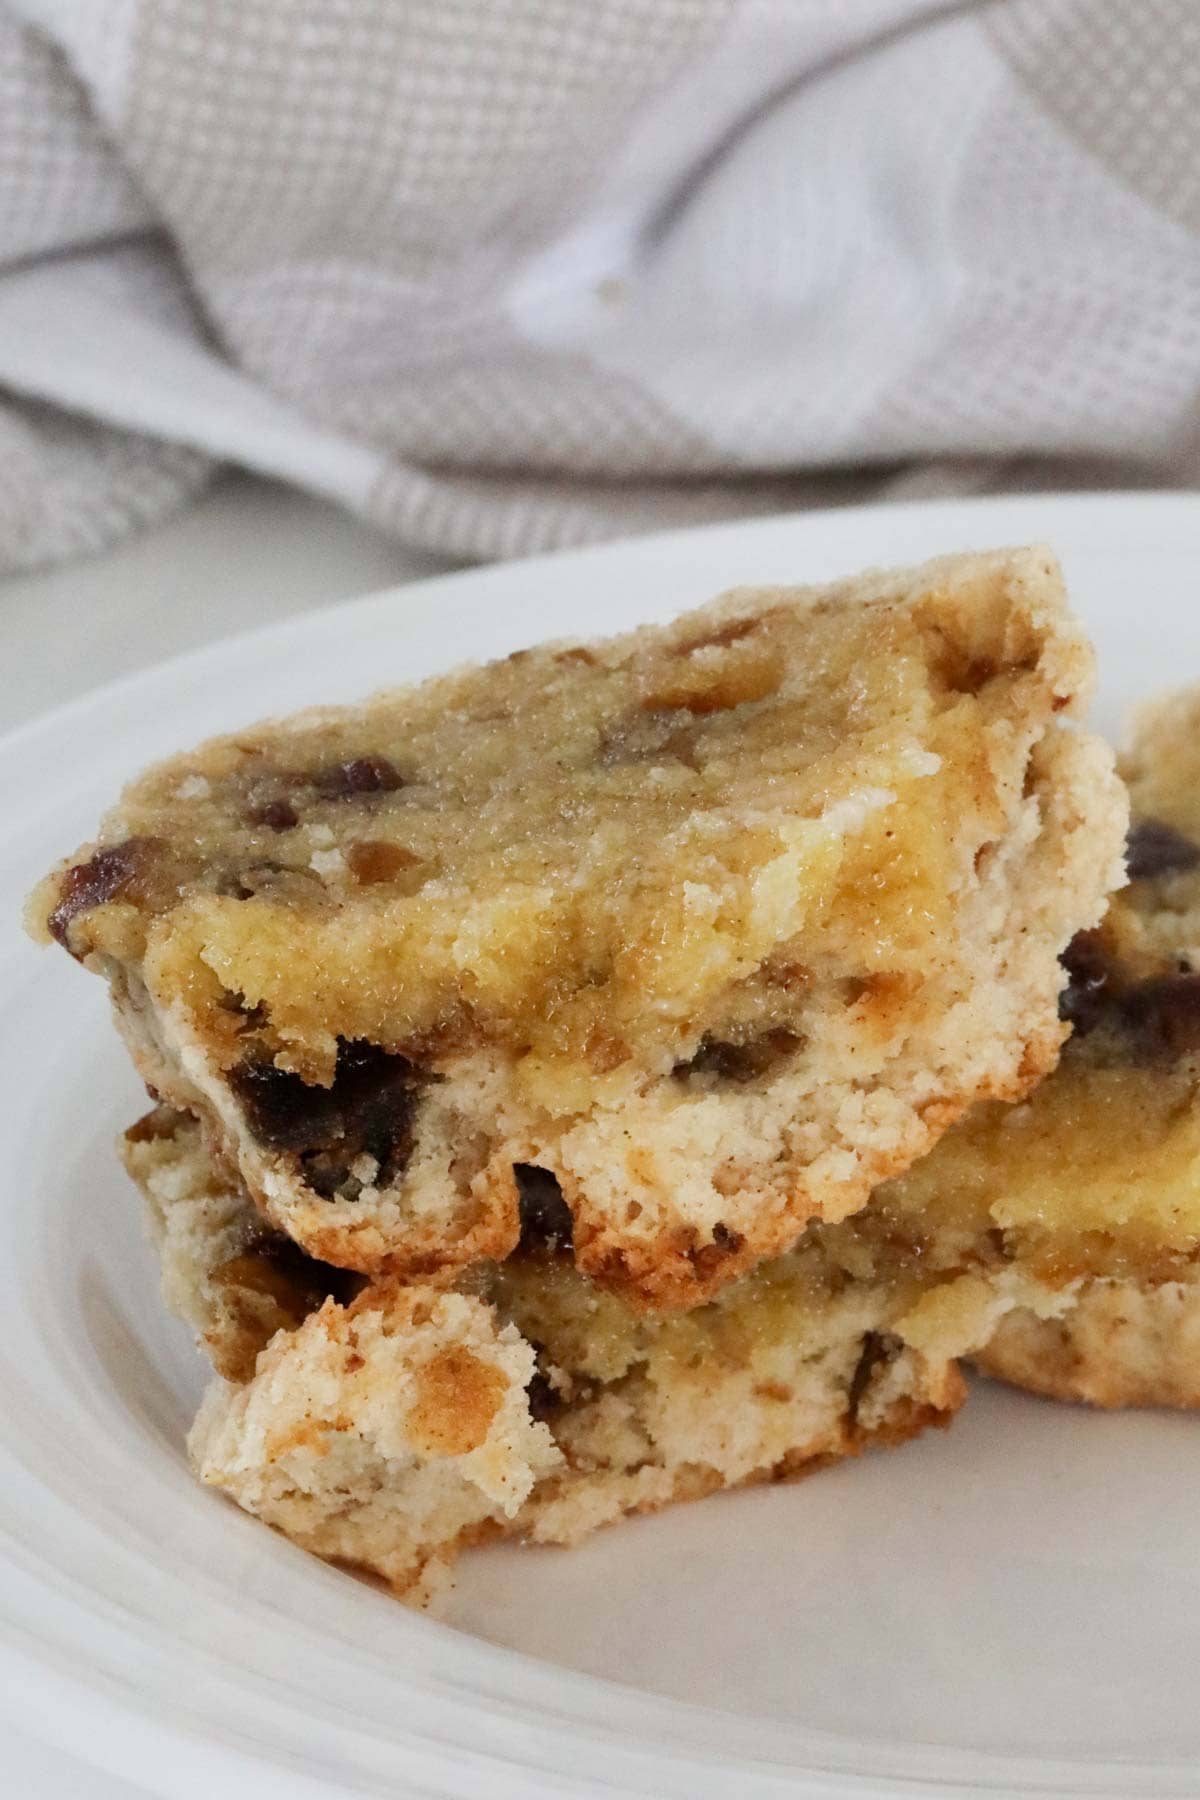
{"x":508,"y":274}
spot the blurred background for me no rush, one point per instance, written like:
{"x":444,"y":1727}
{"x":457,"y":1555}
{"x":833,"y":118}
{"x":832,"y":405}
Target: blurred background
{"x":298,"y":297}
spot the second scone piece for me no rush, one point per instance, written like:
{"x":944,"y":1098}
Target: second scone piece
{"x":1090,"y":1190}
{"x":719,"y":924}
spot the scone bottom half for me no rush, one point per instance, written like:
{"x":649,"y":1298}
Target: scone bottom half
{"x":717,"y":925}
{"x":389,"y":1426}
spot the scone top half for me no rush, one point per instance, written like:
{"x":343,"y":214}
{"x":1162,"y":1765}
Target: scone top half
{"x":719,"y":924}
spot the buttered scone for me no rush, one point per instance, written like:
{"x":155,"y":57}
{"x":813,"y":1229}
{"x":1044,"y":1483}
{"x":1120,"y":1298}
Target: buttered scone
{"x":388,"y":1426}
{"x":719,"y":924}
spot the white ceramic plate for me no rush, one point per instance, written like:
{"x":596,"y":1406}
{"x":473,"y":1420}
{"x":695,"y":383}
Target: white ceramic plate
{"x":1013,"y":1608}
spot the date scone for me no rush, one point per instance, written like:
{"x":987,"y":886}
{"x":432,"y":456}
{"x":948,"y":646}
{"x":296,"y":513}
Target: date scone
{"x":720,"y":923}
{"x":391,"y":1428}
{"x":1096,"y":1180}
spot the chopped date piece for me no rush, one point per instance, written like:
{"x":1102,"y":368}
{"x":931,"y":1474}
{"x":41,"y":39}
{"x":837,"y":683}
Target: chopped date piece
{"x":376,"y":861}
{"x":276,"y":815}
{"x":546,"y":1222}
{"x":1087,"y":999}
{"x":705,"y":1258}
{"x":278,"y":880}
{"x":877,"y":1347}
{"x":367,"y":1111}
{"x":739,"y":1062}
{"x":329,"y":1174}
{"x":721,"y":638}
{"x":545,"y":1402}
{"x":1156,"y":849}
{"x":272,"y":1265}
{"x":109,"y":875}
{"x":362,"y":775}
{"x":1159,"y":1016}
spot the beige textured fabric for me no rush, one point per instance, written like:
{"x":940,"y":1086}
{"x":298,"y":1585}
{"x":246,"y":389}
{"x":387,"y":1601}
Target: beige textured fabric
{"x":508,"y":274}
{"x":60,"y":184}
{"x":1124,"y":81}
{"x":68,"y":485}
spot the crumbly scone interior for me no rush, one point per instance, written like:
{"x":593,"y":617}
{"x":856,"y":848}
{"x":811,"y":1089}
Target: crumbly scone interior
{"x":1125,"y":1341}
{"x":721,"y":924}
